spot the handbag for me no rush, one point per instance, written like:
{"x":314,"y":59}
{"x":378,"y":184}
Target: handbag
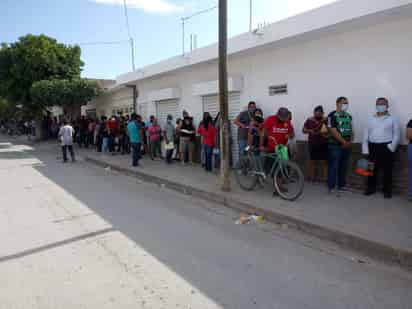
{"x":169,"y":146}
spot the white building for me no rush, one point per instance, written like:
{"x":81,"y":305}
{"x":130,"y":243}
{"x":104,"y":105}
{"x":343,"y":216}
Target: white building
{"x":361,"y":49}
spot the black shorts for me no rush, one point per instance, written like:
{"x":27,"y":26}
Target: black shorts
{"x":318,"y":152}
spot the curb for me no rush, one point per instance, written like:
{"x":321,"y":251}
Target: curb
{"x":369,"y":248}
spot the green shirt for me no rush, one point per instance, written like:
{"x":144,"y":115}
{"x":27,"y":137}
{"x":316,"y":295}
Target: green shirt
{"x":342,"y":122}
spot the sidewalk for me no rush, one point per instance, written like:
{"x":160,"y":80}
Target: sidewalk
{"x":376,"y":227}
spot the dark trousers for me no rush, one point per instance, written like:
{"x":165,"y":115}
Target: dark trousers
{"x":169,"y":155}
{"x":208,"y":153}
{"x":382,"y":157}
{"x":338,"y":160}
{"x":156,"y":149}
{"x":136,"y":155}
{"x":64,"y":150}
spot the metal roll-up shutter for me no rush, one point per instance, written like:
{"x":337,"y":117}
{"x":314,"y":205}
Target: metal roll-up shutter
{"x":144,"y":110}
{"x":211,"y":105}
{"x":165,"y":108}
{"x":234,"y":110}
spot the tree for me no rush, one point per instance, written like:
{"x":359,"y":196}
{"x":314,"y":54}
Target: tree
{"x":31,"y":59}
{"x":7,"y":110}
{"x":69,"y":94}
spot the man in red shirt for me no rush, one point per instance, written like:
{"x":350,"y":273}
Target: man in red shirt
{"x":278,"y":129}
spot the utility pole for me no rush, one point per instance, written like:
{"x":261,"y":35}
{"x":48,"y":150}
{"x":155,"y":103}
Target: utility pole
{"x":250,"y":15}
{"x":223,"y":95}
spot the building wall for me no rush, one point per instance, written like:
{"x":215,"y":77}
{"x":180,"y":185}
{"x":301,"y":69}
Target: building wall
{"x":361,"y":65}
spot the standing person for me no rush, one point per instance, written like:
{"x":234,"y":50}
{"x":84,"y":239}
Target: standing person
{"x":208,"y":133}
{"x":242,"y":121}
{"x":339,"y":145}
{"x":121,"y":147}
{"x":177,"y":139}
{"x":113,"y":127}
{"x":66,"y":134}
{"x":206,"y":115}
{"x":409,"y":138}
{"x":155,"y":134}
{"x":90,"y":133}
{"x":380,"y":141}
{"x":169,"y":136}
{"x":134,"y":132}
{"x":316,"y":128}
{"x":187,"y":136}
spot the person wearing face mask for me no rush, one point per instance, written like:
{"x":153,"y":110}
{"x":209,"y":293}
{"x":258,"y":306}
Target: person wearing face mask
{"x":187,"y":136}
{"x":317,"y":131}
{"x":242,"y":121}
{"x":380,"y":141}
{"x":339,"y":145}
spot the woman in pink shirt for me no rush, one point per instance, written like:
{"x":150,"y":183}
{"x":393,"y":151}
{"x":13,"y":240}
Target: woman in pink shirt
{"x":208,"y":133}
{"x":155,"y":135}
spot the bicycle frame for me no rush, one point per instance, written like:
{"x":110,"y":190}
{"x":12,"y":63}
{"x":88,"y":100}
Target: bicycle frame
{"x":258,"y":160}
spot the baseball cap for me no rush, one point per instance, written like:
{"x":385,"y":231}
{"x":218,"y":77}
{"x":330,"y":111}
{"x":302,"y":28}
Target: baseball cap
{"x":283,"y":113}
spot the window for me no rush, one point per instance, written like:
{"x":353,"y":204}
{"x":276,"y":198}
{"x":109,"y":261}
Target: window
{"x":278,"y":89}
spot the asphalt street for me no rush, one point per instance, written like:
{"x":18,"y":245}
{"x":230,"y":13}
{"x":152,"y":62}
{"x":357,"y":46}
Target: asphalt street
{"x":79,"y":236}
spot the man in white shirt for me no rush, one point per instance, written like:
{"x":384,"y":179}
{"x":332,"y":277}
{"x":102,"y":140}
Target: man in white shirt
{"x":66,"y":134}
{"x":380,"y":141}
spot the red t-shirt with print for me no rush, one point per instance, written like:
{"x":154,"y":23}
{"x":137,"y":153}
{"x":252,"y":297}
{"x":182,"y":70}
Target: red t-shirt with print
{"x":278,"y":132}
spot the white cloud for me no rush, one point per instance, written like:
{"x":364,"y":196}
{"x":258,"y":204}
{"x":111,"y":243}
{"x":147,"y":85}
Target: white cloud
{"x":150,"y":6}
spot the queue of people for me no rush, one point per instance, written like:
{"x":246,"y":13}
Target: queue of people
{"x":330,"y":141}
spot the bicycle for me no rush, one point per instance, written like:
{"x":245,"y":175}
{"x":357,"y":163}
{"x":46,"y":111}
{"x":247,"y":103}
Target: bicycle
{"x":287,"y":176}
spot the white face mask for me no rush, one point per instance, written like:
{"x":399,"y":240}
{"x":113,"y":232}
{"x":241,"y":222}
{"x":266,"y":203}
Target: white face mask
{"x":345,"y":107}
{"x":381,"y":108}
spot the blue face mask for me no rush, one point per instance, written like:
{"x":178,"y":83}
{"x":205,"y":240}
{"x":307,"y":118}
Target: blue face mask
{"x":345,"y":107}
{"x":381,"y":108}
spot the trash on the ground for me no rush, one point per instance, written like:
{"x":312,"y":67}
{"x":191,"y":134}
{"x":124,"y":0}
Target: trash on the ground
{"x":246,"y":219}
{"x":108,"y":168}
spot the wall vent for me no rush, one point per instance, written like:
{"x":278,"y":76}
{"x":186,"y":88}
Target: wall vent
{"x":278,"y":89}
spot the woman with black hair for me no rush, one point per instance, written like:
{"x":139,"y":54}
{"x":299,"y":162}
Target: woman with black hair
{"x":208,"y":133}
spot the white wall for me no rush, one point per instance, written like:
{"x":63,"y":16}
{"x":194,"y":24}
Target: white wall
{"x":361,"y":65}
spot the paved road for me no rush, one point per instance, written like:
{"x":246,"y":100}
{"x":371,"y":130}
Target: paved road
{"x":78,"y":236}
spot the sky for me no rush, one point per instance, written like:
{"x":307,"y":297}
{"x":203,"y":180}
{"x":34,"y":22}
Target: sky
{"x":155,"y":26}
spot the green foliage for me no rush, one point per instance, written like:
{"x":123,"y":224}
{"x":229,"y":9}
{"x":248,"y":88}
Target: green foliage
{"x":7,"y":110}
{"x":32,"y":59}
{"x":65,"y":93}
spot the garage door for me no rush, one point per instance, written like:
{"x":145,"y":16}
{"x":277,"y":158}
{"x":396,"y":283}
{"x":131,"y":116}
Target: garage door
{"x":144,"y":111}
{"x":211,"y":105}
{"x":165,"y":108}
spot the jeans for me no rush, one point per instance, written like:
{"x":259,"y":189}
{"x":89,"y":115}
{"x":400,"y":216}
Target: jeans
{"x":208,"y":153}
{"x":105,"y":144}
{"x":338,"y":160}
{"x":136,"y":153}
{"x":64,"y":150}
{"x":410,"y":169}
{"x":242,"y":146}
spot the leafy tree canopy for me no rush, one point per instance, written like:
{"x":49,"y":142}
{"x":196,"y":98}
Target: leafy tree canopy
{"x":62,"y":92}
{"x":35,"y":58}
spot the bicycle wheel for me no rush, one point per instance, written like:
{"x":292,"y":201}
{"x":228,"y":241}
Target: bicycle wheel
{"x":289,"y":181}
{"x":244,"y":174}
